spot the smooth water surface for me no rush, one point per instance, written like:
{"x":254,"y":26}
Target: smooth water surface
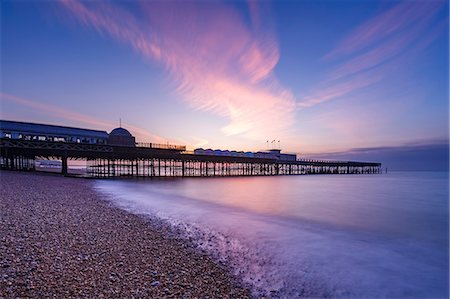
{"x":361,"y":236}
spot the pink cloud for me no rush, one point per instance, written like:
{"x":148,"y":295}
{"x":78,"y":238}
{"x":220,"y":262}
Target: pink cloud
{"x":216,"y":61}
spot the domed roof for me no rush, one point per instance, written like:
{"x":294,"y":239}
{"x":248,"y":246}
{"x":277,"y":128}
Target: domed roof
{"x":120,"y":132}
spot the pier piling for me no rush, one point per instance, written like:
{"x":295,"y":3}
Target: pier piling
{"x":171,"y":161}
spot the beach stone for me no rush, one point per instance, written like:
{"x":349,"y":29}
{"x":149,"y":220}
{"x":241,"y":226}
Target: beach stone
{"x":62,"y":239}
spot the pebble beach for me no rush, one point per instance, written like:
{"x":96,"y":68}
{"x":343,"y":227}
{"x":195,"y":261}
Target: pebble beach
{"x":59,"y":238}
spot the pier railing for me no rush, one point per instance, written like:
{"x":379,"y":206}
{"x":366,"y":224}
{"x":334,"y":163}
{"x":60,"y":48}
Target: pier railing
{"x":161,"y":146}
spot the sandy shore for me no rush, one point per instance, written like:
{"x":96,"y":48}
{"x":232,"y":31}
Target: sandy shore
{"x":60,"y":239}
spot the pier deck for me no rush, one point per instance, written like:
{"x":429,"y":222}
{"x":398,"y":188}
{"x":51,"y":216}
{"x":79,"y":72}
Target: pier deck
{"x":154,"y":160}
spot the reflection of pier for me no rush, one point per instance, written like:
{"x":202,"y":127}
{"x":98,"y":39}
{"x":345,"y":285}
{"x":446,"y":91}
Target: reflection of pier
{"x":171,"y":161}
{"x":117,"y":154}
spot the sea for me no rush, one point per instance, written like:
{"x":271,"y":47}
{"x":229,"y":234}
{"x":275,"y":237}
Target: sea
{"x":313,"y":236}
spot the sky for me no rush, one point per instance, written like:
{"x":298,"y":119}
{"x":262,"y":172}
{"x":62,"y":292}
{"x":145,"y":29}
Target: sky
{"x":329,"y":79}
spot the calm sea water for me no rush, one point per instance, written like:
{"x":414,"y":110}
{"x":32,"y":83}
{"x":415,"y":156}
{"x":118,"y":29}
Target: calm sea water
{"x":361,"y":236}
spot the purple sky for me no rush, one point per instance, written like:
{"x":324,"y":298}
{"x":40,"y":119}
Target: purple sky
{"x":320,"y":76}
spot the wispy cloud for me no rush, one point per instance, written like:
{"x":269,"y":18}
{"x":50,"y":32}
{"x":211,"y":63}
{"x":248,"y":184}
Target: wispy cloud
{"x":78,"y":118}
{"x":406,"y":16}
{"x":373,"y":49}
{"x":326,"y":91}
{"x":217,"y":60}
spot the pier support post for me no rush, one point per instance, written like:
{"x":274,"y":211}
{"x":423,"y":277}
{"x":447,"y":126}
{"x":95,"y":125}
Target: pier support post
{"x":64,"y":165}
{"x":9,"y":160}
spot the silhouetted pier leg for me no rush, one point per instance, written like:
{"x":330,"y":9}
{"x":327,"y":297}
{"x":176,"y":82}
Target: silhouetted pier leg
{"x":187,"y":168}
{"x":11,"y":162}
{"x":64,"y":165}
{"x":7,"y":162}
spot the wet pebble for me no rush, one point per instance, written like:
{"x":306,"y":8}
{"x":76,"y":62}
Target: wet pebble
{"x":61,"y":239}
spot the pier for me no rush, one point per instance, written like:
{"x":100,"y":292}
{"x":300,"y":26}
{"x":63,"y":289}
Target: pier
{"x":160,"y":160}
{"x":117,"y":154}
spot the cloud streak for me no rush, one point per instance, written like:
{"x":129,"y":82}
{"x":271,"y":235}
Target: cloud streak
{"x":372,"y":50}
{"x":405,"y":16}
{"x":217,"y":60}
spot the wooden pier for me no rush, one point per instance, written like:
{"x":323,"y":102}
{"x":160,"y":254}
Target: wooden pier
{"x":160,"y":160}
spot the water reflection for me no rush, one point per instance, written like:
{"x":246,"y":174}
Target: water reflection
{"x":313,"y":235}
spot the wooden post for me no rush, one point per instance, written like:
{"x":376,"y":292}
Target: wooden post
{"x":11,"y":161}
{"x":64,"y":165}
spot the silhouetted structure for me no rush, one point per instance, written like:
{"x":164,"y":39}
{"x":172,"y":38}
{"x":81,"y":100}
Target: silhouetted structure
{"x":117,"y":154}
{"x":121,"y":137}
{"x":270,"y":154}
{"x":44,"y":132}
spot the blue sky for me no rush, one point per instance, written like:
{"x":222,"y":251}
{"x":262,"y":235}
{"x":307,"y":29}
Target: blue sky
{"x":320,"y":76}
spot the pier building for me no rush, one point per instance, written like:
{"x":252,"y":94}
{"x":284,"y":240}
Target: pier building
{"x":270,"y":154}
{"x":52,"y":133}
{"x":121,"y":137}
{"x":118,"y":154}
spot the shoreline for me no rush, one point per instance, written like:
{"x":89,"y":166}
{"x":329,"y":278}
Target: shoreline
{"x":64,"y":240}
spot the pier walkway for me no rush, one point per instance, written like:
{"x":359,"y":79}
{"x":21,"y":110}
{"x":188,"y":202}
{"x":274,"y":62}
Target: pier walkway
{"x":163,"y":160}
